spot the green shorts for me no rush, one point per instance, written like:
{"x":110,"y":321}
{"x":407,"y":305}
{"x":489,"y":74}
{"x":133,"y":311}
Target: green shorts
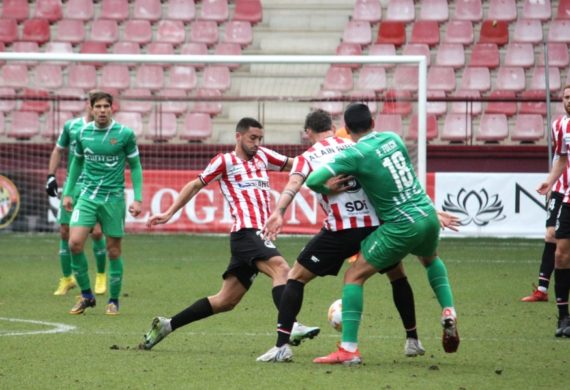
{"x":111,"y":215}
{"x":64,"y":216}
{"x":391,"y":242}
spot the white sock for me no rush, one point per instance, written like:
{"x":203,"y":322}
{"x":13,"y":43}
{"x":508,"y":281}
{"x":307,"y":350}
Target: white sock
{"x":350,"y":347}
{"x":542,"y":289}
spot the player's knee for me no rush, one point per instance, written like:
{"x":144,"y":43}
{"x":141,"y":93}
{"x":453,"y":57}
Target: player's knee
{"x":562,"y":259}
{"x":75,"y":246}
{"x":97,"y":235}
{"x":223,"y":303}
{"x":113,"y":252}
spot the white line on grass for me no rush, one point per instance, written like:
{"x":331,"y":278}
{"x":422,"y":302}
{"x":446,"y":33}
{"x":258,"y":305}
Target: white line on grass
{"x":56,"y":327}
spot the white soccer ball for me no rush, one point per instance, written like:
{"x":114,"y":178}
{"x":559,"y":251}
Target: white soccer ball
{"x":335,"y":315}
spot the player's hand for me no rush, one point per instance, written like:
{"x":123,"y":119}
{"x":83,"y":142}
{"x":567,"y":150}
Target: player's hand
{"x":272,"y":227}
{"x":135,"y":208}
{"x":340,"y":183}
{"x":543,"y":188}
{"x":68,"y":203}
{"x":51,"y":186}
{"x":447,"y":220}
{"x":158,"y":219}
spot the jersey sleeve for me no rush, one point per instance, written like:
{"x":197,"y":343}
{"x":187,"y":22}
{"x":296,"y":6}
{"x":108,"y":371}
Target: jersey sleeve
{"x":301,"y":167}
{"x":64,"y":138}
{"x":346,"y":162}
{"x":275,"y":161}
{"x":214,"y":170}
{"x":131,"y":148}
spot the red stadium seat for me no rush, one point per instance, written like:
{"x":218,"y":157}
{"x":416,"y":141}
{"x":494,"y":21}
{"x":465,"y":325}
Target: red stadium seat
{"x":502,"y":10}
{"x":538,"y":78}
{"x":130,"y":100}
{"x":372,"y":77}
{"x":357,"y":32}
{"x":469,"y":105}
{"x":431,"y":128}
{"x":183,"y":77}
{"x":400,"y":11}
{"x":559,"y":31}
{"x":471,"y":10}
{"x":425,"y":31}
{"x":418,"y":49}
{"x":197,"y":127}
{"x":510,"y":79}
{"x":25,"y":125}
{"x":114,"y":10}
{"x":485,"y":54}
{"x":216,"y":77}
{"x":8,"y":30}
{"x":81,"y":76}
{"x":124,"y":47}
{"x":7,"y":101}
{"x":132,"y":120}
{"x":248,"y":11}
{"x":450,"y":54}
{"x":492,"y":128}
{"x":441,"y":78}
{"x":389,"y":122}
{"x":48,"y":76}
{"x":183,"y":10}
{"x":476,"y":78}
{"x":161,"y":126}
{"x":54,"y":123}
{"x":392,"y":33}
{"x":25,"y":47}
{"x":528,"y":128}
{"x":34,"y":100}
{"x":115,"y":76}
{"x":381,"y":49}
{"x":15,"y":9}
{"x":150,"y":76}
{"x":206,"y":103}
{"x":206,"y":31}
{"x":139,"y":31}
{"x":557,"y":55}
{"x":14,"y":75}
{"x":365,"y":96}
{"x":533,"y":9}
{"x":170,"y":31}
{"x":71,"y":106}
{"x":214,"y":10}
{"x":90,"y":47}
{"x":367,"y":11}
{"x":79,"y":9}
{"x":406,"y":78}
{"x":533,"y":107}
{"x":494,"y":31}
{"x":48,"y":9}
{"x":563,"y":9}
{"x":231,"y":49}
{"x":436,"y":10}
{"x":508,"y":108}
{"x":519,"y":54}
{"x":173,"y":101}
{"x":194,"y":49}
{"x":160,"y":48}
{"x":71,"y":30}
{"x":349,"y":49}
{"x":334,"y":108}
{"x":456,"y":128}
{"x":459,"y":31}
{"x":527,"y":31}
{"x":338,"y":79}
{"x":397,"y":102}
{"x":147,"y":10}
{"x":36,"y":30}
{"x":435,"y":107}
{"x":104,"y":31}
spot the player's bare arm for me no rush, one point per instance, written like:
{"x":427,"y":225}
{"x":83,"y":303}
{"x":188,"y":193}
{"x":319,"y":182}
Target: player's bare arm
{"x":557,"y":168}
{"x":274,"y":223}
{"x":187,"y":193}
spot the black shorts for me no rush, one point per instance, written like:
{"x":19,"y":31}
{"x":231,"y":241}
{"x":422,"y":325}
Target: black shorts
{"x":563,"y":222}
{"x":553,"y":208}
{"x":326,"y":252}
{"x":247,"y":247}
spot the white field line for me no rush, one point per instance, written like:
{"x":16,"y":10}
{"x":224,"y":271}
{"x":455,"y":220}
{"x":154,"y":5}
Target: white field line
{"x":55,"y":327}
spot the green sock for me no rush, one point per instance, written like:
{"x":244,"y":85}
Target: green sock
{"x":65,"y":258}
{"x":352,"y":303}
{"x":100,"y":252}
{"x":79,"y":266}
{"x":115,"y":277}
{"x":437,"y":276}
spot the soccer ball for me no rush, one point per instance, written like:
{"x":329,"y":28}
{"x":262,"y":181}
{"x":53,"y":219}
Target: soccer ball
{"x":335,"y":315}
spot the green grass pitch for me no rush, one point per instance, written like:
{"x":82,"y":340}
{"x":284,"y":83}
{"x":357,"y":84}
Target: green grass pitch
{"x":505,"y":344}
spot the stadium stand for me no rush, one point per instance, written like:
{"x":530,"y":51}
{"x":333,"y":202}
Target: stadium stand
{"x":456,"y":128}
{"x":183,"y":10}
{"x":215,"y":10}
{"x":528,"y":128}
{"x":114,"y":10}
{"x":505,"y":10}
{"x":366,"y":11}
{"x":436,"y":10}
{"x":81,"y":76}
{"x":139,"y":31}
{"x":533,"y":9}
{"x":400,"y":11}
{"x":70,"y":106}
{"x":15,"y":9}
{"x":519,"y":54}
{"x":79,"y":9}
{"x":527,"y":30}
{"x":485,"y":55}
{"x":425,"y":31}
{"x":129,"y":102}
{"x":70,"y":30}
{"x":450,"y":54}
{"x":389,"y":122}
{"x":248,"y":11}
{"x":197,"y":127}
{"x":471,"y":10}
{"x":147,"y":10}
{"x":431,"y":128}
{"x":25,"y":125}
{"x":492,"y":128}
{"x":357,"y":32}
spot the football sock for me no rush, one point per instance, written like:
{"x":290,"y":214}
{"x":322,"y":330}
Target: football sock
{"x":276,"y":293}
{"x":546,"y":266}
{"x":439,"y":282}
{"x":352,"y":304}
{"x":404,"y":300}
{"x":87,"y":294}
{"x":290,"y":306}
{"x":562,"y":290}
{"x":65,"y":258}
{"x":115,"y":277}
{"x":79,"y":266}
{"x":115,"y":301}
{"x":197,"y":311}
{"x":100,"y":253}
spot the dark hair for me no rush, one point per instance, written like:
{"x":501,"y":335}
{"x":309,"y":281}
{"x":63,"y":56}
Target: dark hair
{"x":358,"y":118}
{"x":245,"y":123}
{"x":98,"y":95}
{"x":318,"y":121}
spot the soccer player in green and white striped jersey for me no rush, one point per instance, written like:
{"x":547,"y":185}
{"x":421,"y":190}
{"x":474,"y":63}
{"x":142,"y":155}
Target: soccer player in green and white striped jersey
{"x":103,"y":148}
{"x":380,"y":163}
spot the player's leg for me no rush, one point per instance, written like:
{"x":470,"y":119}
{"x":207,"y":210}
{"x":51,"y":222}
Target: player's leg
{"x":67,"y":281}
{"x":562,"y":271}
{"x":78,"y":235}
{"x":100,"y":253}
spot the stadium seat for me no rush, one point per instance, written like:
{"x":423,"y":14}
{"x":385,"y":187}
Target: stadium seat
{"x":389,"y":122}
{"x":104,"y":31}
{"x":492,"y":128}
{"x":533,"y":107}
{"x":34,"y":100}
{"x":334,"y":108}
{"x":139,"y":31}
{"x":468,"y":104}
{"x":8,"y":30}
{"x":338,"y":79}
{"x":527,"y":31}
{"x":476,"y":78}
{"x":48,"y":76}
{"x":559,"y":31}
{"x":365,"y":96}
{"x":381,"y":49}
{"x":161,"y":126}
{"x":160,"y":48}
{"x":367,"y":11}
{"x":528,"y":128}
{"x":563,"y":9}
{"x":431,"y":128}
{"x":519,"y":54}
{"x":58,"y":48}
{"x":537,"y":9}
{"x":81,"y":76}
{"x":206,"y":31}
{"x":450,"y":54}
{"x":248,"y":11}
{"x":538,"y":78}
{"x":502,"y":10}
{"x":372,"y":77}
{"x":418,"y":49}
{"x":71,"y":106}
{"x":205,"y":102}
{"x":216,"y":77}
{"x":425,"y":31}
{"x":15,"y":9}
{"x":147,"y":10}
{"x":170,"y":31}
{"x":197,"y":127}
{"x":114,"y":10}
{"x":124,"y":47}
{"x":132,"y":120}
{"x":557,"y":55}
{"x":48,"y":9}
{"x":456,"y":128}
{"x":214,"y":10}
{"x":35,"y":30}
{"x":349,"y":49}
{"x":358,"y":32}
{"x":510,"y":79}
{"x":183,"y":77}
{"x":133,"y":100}
{"x":471,"y":10}
{"x":194,"y":49}
{"x":25,"y":125}
{"x":508,"y":108}
{"x":79,"y":9}
{"x":183,"y":10}
{"x":7,"y":101}
{"x":397,"y":102}
{"x":406,"y":78}
{"x":54,"y":124}
{"x":172,"y":101}
{"x":70,"y":30}
{"x":25,"y":47}
{"x":485,"y":54}
{"x":392,"y":33}
{"x":14,"y":75}
{"x":149,"y":76}
{"x":232,"y":49}
{"x":115,"y":76}
{"x":494,"y":31}
{"x":441,"y":78}
{"x":400,"y":11}
{"x":459,"y":31}
{"x":90,"y":47}
{"x":437,"y":106}
{"x":436,"y":10}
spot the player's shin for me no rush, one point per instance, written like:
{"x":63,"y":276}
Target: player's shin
{"x":352,"y":305}
{"x":439,"y":282}
{"x":289,"y":307}
{"x":65,"y":258}
{"x":115,"y":278}
{"x":79,"y":266}
{"x":100,"y":253}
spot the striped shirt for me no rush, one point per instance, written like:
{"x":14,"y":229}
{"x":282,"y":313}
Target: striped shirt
{"x":559,"y":127}
{"x":347,"y":210}
{"x":245,"y":185}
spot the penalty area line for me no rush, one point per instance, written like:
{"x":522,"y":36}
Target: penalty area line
{"x":55,"y":327}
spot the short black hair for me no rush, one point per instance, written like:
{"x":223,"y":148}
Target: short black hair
{"x":318,"y":121}
{"x":245,"y":123}
{"x":358,"y":118}
{"x":98,"y":95}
